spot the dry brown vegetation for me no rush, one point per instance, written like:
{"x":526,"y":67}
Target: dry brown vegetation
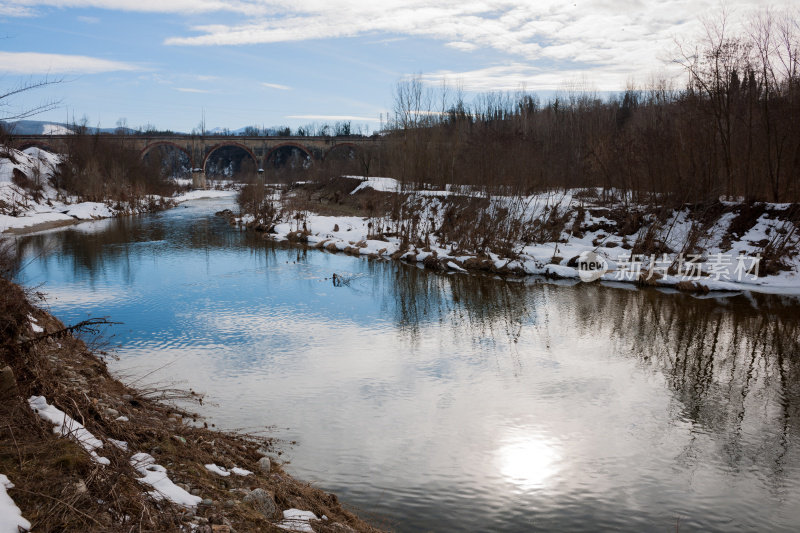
{"x":98,"y":169}
{"x":730,"y":131}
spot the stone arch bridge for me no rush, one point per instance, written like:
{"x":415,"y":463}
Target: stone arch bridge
{"x":199,"y":148}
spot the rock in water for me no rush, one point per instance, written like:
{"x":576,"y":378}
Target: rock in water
{"x":262,"y":502}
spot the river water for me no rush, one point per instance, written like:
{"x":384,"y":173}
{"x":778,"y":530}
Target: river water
{"x":446,"y":402}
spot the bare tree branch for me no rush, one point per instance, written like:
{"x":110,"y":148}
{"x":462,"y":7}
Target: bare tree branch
{"x":25,"y":87}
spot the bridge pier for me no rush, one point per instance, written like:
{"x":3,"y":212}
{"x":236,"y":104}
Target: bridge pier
{"x":198,"y":178}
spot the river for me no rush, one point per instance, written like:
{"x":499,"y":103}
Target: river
{"x":447,"y":402}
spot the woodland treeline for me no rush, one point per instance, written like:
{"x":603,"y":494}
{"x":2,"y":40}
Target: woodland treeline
{"x":733,"y":129}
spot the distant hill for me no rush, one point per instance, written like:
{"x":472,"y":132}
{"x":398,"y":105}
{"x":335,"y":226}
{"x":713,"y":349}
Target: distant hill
{"x":36,"y":127}
{"x":46,"y":127}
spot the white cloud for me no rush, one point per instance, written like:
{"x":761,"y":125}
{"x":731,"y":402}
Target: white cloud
{"x":248,"y":7}
{"x":190,"y":90}
{"x":608,"y":40}
{"x":462,"y":45}
{"x":89,"y":20}
{"x":9,"y":10}
{"x":39,"y":63}
{"x":333,"y":117}
{"x":275,"y":86}
{"x":515,"y":76}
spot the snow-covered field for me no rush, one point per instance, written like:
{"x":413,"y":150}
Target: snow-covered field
{"x":56,"y":129}
{"x":727,"y":262}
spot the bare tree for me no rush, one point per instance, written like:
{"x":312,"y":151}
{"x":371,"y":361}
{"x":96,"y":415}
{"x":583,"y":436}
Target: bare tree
{"x":7,"y":110}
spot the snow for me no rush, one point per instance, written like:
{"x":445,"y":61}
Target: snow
{"x":11,"y":520}
{"x":224,"y":472}
{"x":453,"y":266}
{"x":220,"y":471}
{"x":89,"y":210}
{"x":56,"y":129}
{"x":121,"y":419}
{"x":378,"y":184}
{"x":64,"y":426}
{"x":35,"y":163}
{"x":297,"y":520}
{"x":121,"y":444}
{"x":198,"y":194}
{"x":10,"y":222}
{"x":34,"y":326}
{"x":598,"y":233}
{"x":163,"y":487}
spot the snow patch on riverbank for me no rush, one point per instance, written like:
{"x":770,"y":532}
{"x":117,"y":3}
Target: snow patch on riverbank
{"x":66,"y":426}
{"x":724,"y":265}
{"x":202,"y":194}
{"x":163,"y":487}
{"x":11,"y":520}
{"x":378,"y":184}
{"x":224,"y":472}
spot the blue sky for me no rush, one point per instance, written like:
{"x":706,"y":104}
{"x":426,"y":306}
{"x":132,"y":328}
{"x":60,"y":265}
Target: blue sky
{"x":278,"y":62}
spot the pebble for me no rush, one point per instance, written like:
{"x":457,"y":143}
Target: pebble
{"x":262,"y":501}
{"x":264,"y":465}
{"x":195,"y":492}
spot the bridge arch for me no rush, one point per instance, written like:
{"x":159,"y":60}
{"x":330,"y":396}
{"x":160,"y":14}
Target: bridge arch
{"x":353,"y":146}
{"x":230,"y":143}
{"x":150,"y":146}
{"x":280,"y":146}
{"x":38,"y":144}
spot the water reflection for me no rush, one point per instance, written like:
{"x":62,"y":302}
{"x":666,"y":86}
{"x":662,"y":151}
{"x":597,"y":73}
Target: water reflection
{"x":455,"y":402}
{"x":527,"y":459}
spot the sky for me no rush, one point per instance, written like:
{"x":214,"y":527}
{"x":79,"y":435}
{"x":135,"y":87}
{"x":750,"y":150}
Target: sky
{"x":175,"y":63}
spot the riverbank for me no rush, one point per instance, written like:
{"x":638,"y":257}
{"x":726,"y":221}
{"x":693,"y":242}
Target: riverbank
{"x":29,"y":202}
{"x":573,"y":234}
{"x":81,"y":451}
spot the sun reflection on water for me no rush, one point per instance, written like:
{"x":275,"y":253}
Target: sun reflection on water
{"x":528,"y":460}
